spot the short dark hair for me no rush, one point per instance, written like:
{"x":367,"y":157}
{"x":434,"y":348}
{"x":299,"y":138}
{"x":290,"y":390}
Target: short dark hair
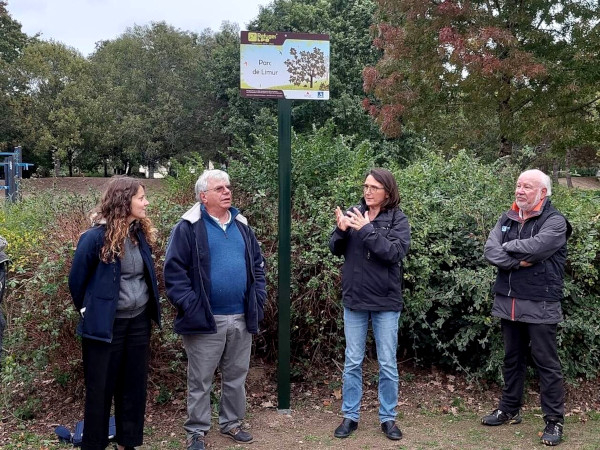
{"x":386,"y":178}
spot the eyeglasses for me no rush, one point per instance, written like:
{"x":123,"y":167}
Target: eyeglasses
{"x":374,"y":189}
{"x":221,"y":189}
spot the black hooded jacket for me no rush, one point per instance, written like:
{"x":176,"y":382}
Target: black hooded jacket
{"x":372,"y":271}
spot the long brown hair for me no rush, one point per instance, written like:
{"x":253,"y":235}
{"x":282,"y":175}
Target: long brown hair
{"x":386,"y":178}
{"x":114,"y":211}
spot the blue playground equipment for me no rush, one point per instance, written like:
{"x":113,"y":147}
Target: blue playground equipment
{"x":13,"y":172}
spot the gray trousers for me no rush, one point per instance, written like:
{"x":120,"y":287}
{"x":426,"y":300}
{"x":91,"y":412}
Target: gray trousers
{"x":229,"y":350}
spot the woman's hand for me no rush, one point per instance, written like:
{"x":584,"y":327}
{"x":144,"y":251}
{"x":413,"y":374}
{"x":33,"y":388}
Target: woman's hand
{"x":343,"y":221}
{"x":358,"y":220}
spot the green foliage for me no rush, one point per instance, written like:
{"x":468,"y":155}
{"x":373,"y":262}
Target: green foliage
{"x":12,"y":42}
{"x":180,"y":185}
{"x":52,"y":104}
{"x":12,"y":39}
{"x":28,"y":409}
{"x":451,"y":204}
{"x":580,"y":332}
{"x":327,"y":170}
{"x":23,"y":225}
{"x":164,"y":395}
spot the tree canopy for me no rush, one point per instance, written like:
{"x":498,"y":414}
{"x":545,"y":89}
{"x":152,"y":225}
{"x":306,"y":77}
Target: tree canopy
{"x":506,"y":72}
{"x":490,"y":77}
{"x":12,"y":42}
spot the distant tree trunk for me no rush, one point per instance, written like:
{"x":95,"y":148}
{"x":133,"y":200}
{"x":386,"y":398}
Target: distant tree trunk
{"x":555,"y":170}
{"x":105,"y":162}
{"x":505,"y":119}
{"x":568,"y":168}
{"x":151,"y":169}
{"x":505,"y":147}
{"x":56,"y":161}
{"x":70,"y":156}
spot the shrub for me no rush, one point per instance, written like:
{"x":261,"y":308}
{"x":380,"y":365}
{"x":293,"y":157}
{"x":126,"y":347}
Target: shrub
{"x":451,"y":204}
{"x":326,"y":170}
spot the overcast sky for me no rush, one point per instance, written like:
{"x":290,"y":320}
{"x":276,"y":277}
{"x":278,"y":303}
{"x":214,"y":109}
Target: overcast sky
{"x":81,"y":23}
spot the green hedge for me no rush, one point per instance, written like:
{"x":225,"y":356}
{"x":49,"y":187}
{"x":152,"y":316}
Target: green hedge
{"x":451,"y":205}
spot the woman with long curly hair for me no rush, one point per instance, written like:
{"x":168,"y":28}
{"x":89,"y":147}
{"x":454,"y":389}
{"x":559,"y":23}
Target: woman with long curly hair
{"x":114,"y":288}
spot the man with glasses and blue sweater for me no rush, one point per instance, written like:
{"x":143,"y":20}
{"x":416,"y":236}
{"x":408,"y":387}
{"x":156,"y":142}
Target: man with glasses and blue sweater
{"x":214,"y":275}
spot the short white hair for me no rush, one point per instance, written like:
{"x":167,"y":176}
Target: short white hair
{"x":214,"y":174}
{"x":544,"y":179}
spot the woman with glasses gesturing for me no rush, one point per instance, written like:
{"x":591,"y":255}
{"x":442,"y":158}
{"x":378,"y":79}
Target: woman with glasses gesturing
{"x":373,"y":237}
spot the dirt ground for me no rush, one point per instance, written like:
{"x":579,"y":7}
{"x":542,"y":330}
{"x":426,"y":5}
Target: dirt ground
{"x":582,"y":182}
{"x":436,"y":410}
{"x":84,"y":184}
{"x":79,"y":185}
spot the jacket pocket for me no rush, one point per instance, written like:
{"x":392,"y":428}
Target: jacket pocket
{"x":197,"y":318}
{"x":98,"y":317}
{"x":375,"y":279}
{"x":538,"y":272}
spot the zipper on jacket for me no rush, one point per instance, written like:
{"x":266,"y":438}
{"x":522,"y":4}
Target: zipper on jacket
{"x":200,"y":273}
{"x":512,"y":312}
{"x":519,"y":228}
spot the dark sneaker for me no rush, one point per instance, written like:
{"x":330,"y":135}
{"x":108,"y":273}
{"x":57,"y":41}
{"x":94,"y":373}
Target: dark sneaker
{"x":552,"y":433}
{"x":498,"y":417}
{"x":391,"y":431}
{"x":346,"y":428}
{"x":197,"y":442}
{"x":238,"y":435}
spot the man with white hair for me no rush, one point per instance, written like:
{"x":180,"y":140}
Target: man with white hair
{"x":528,"y":245}
{"x":214,"y":275}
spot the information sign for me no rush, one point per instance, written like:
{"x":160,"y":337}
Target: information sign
{"x":284,"y":65}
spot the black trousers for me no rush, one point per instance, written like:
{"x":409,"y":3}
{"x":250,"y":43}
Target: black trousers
{"x":517,"y":339}
{"x":117,"y":369}
{"x":3,"y":269}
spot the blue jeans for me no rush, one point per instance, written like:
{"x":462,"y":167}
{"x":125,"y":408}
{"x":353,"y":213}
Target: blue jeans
{"x":385,"y":330}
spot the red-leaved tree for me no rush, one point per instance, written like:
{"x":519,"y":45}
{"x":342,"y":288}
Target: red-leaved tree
{"x":487,"y":74}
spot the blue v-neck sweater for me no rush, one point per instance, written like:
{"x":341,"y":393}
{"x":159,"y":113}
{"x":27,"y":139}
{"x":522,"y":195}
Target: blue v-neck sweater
{"x":227,"y":268}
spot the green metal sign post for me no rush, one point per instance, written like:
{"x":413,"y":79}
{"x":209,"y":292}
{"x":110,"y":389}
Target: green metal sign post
{"x":284,"y":66}
{"x":285,"y":223}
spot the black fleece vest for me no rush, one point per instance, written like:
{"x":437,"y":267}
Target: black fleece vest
{"x":542,"y":281}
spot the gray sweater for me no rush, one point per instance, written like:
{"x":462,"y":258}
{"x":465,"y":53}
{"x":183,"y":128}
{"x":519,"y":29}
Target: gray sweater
{"x":134,"y":292}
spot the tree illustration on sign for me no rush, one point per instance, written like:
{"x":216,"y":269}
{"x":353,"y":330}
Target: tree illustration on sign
{"x":306,"y":66}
